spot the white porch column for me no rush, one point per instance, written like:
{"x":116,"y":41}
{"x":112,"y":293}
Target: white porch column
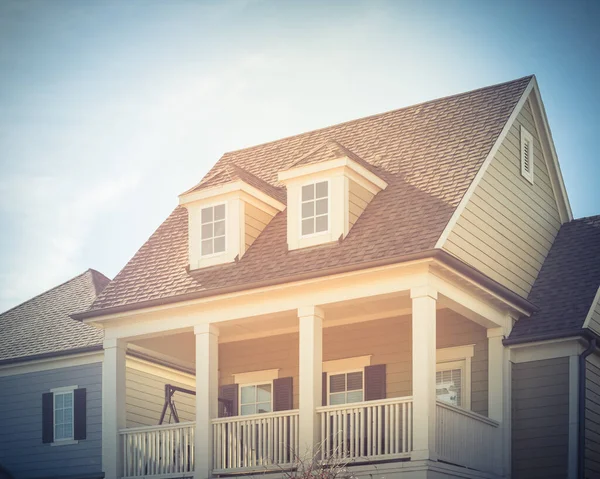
{"x":113,"y":406}
{"x":424,"y":300}
{"x":499,"y":392}
{"x":311,"y":370}
{"x":207,"y":396}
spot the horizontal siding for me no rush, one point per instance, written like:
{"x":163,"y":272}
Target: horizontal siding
{"x":508,"y":226}
{"x":594,"y":322}
{"x":592,"y":419}
{"x":145,"y":397}
{"x":358,"y":200}
{"x":21,"y":449}
{"x":255,"y":221}
{"x":388,"y":341}
{"x":540,"y":419}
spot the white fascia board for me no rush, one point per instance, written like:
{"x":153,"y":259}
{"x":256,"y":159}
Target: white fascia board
{"x":47,"y":364}
{"x":475,"y":183}
{"x":588,"y":318}
{"x":557,"y":348}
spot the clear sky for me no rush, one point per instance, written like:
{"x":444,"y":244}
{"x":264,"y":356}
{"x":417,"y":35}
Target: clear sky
{"x":109,"y":110}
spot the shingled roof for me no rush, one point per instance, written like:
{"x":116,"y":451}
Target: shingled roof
{"x":428,"y":154}
{"x":567,"y":283}
{"x":42,"y":325}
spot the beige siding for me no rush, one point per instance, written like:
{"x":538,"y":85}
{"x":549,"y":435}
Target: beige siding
{"x":145,"y":396}
{"x":255,"y":222}
{"x":509,"y":224}
{"x":540,"y":419}
{"x":359,"y":198}
{"x":592,"y":418}
{"x":388,"y":341}
{"x":593,"y":320}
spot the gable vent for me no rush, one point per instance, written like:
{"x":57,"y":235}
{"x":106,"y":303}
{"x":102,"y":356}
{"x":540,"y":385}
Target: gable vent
{"x":527,"y":157}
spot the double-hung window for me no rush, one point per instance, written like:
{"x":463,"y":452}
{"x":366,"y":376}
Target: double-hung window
{"x":256,"y":398}
{"x":347,"y":387}
{"x":213,"y":230}
{"x":63,"y":416}
{"x":315,"y":208}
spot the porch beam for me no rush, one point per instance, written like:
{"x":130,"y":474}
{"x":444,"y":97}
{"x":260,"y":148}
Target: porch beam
{"x":311,"y":369}
{"x":113,"y":406}
{"x":424,"y":300}
{"x":207,"y":396}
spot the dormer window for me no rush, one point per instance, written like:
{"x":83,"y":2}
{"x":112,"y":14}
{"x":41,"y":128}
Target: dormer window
{"x":213,"y":230}
{"x":315,"y":208}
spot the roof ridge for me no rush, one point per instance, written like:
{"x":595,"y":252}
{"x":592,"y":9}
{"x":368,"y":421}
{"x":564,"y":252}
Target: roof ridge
{"x":89,"y":270}
{"x":375,"y":115}
{"x":583,"y":218}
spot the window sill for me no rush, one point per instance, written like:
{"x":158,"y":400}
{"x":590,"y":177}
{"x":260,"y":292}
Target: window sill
{"x":67,"y":442}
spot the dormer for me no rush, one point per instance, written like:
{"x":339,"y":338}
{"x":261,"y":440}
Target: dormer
{"x":226,"y":213}
{"x":327,"y":191}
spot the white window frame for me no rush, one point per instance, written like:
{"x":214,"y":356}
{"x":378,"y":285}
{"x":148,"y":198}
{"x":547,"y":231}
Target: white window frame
{"x":257,"y":383}
{"x":213,"y":205}
{"x":336,"y":373}
{"x":69,"y":440}
{"x":527,"y":137}
{"x":314,"y":182}
{"x":458,"y":358}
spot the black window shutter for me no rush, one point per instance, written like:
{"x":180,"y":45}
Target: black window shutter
{"x":79,"y":414}
{"x":283,"y":394}
{"x":375,"y":382}
{"x":47,"y":417}
{"x":228,"y":400}
{"x":324,"y":392}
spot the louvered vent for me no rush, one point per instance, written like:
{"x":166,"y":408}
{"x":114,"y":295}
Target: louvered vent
{"x":527,"y":158}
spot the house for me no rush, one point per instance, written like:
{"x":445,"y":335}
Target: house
{"x":406,"y":294}
{"x":51,"y":385}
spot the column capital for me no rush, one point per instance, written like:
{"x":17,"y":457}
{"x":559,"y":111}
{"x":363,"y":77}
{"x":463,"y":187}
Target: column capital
{"x":423,"y":291}
{"x":495,"y":333}
{"x":110,"y":343}
{"x":206,"y":328}
{"x":304,"y":311}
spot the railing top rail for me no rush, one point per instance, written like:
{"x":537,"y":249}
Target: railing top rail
{"x":356,"y":405}
{"x":162,"y":427}
{"x":250,"y":417}
{"x":471,"y":414}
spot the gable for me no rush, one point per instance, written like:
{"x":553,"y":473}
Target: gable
{"x":509,"y":224}
{"x":592,"y":320}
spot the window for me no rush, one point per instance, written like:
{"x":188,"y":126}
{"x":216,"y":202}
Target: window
{"x":63,"y":416}
{"x":315,"y":208}
{"x":345,"y":387}
{"x":527,"y":156}
{"x":213,"y":230}
{"x":255,"y":398}
{"x":448,"y":384}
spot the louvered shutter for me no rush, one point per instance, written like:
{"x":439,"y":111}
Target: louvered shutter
{"x":283,"y":398}
{"x":228,"y":400}
{"x":375,"y":387}
{"x":79,"y":414}
{"x":47,"y":417}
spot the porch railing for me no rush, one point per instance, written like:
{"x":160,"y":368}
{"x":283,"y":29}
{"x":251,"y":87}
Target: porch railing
{"x":256,"y":441}
{"x":366,"y":430}
{"x":466,"y":438}
{"x":158,"y":450}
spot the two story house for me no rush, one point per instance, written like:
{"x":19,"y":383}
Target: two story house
{"x":405,"y":294}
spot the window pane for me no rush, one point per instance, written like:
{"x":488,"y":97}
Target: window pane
{"x":68,"y":400}
{"x":354,"y":381}
{"x":355,"y":396}
{"x":220,"y":228}
{"x":207,"y":231}
{"x":449,"y":385}
{"x":321,"y":208}
{"x":58,"y":401}
{"x":219,"y":212}
{"x":308,"y":192}
{"x":263,"y":407}
{"x":308,"y":226}
{"x":337,"y":383}
{"x":338,"y":398}
{"x":322,"y":189}
{"x":321,"y":223}
{"x":220,"y":244}
{"x":264,"y":393}
{"x":207,"y":247}
{"x":248,"y":409}
{"x":248,"y":394}
{"x":207,"y":215}
{"x":308,"y":209}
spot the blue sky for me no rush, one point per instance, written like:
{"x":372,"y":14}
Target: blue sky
{"x":109,"y":110}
